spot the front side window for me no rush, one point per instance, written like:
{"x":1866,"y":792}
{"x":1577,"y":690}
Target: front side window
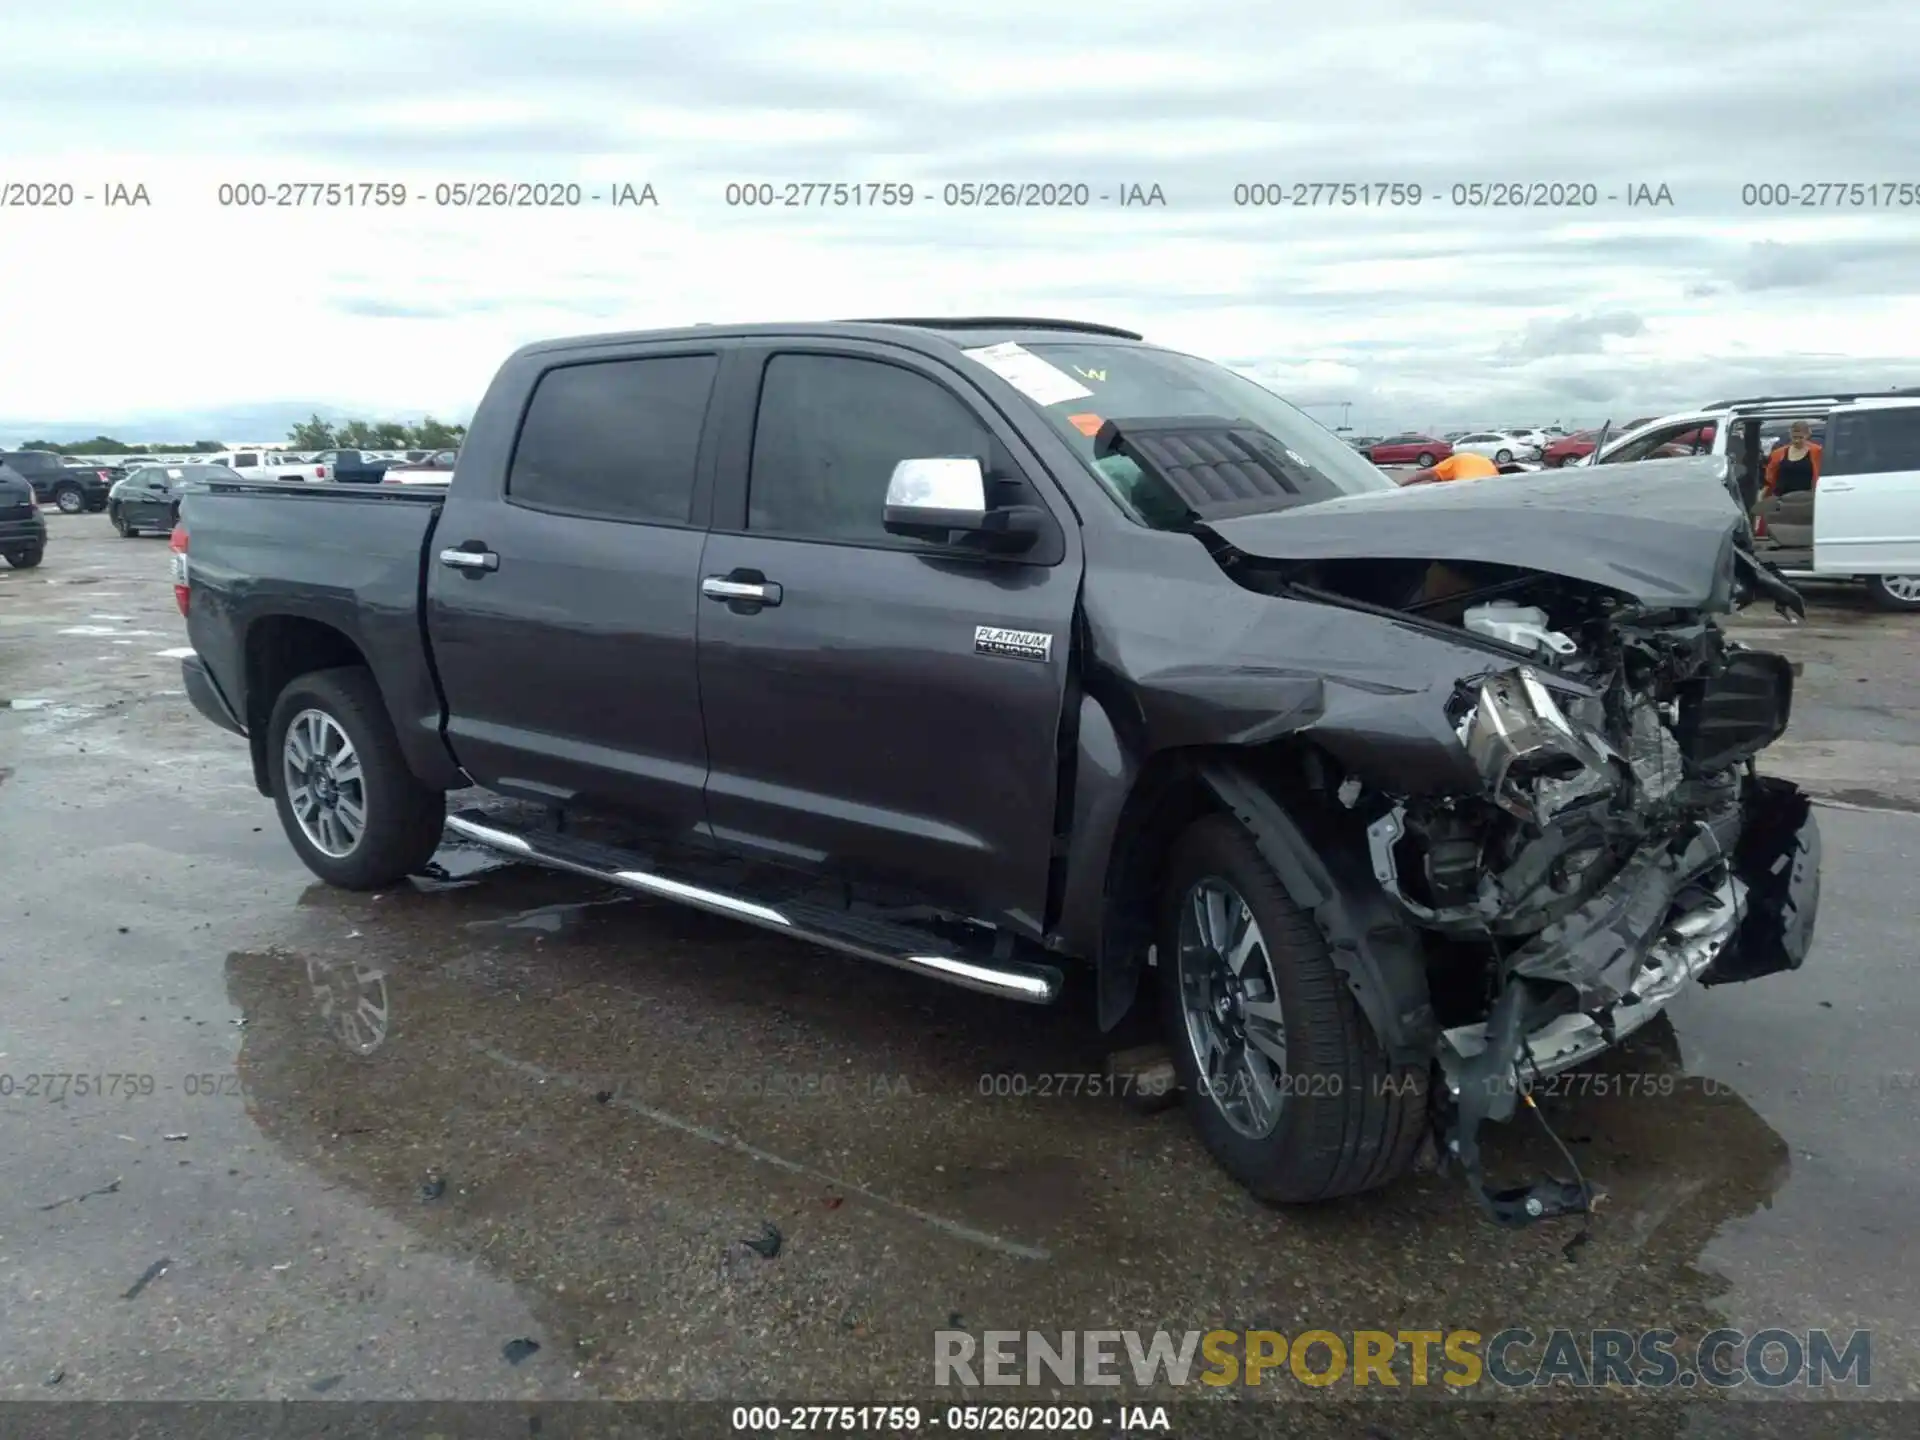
{"x":616,"y":439}
{"x":1688,"y":437}
{"x":829,"y":432}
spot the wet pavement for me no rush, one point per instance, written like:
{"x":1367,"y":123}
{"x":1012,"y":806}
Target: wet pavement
{"x":365,"y":1146}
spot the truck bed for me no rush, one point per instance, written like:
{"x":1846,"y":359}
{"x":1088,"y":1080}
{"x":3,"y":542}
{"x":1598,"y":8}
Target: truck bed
{"x":300,"y":557}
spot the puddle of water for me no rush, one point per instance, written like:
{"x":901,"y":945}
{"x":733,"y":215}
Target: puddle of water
{"x":180,"y":653}
{"x":38,"y":703}
{"x":120,"y":619}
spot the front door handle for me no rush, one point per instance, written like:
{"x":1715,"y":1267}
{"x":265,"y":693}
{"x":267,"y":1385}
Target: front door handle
{"x":470,"y":557}
{"x":742,"y":587}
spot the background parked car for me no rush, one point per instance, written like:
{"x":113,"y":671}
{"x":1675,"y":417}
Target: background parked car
{"x":1410,"y":449}
{"x":262,"y":465}
{"x":351,"y":467}
{"x":431,"y":469}
{"x":23,"y":530}
{"x":1493,"y":445}
{"x":1569,"y":448}
{"x":149,"y":497}
{"x":120,"y":469}
{"x":70,"y":488}
{"x":1530,"y":444}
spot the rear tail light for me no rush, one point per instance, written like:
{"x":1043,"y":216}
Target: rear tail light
{"x":178,"y":545}
{"x":320,"y":472}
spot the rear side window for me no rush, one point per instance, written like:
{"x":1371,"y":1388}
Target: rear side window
{"x":245,"y":458}
{"x":830,"y":430}
{"x":1873,"y":442}
{"x":618,"y":439}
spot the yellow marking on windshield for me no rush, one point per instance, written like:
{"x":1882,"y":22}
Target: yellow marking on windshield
{"x":1099,"y":375}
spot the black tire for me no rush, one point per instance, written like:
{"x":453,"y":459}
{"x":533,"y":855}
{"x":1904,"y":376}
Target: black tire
{"x":1886,"y":599}
{"x":119,"y":519}
{"x":1503,"y":457}
{"x":26,"y":559}
{"x":404,"y":818}
{"x":68,"y":500}
{"x":1349,"y":1120}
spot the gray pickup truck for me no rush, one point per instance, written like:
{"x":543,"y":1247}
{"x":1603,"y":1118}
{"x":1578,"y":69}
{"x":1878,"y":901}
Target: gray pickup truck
{"x":1002,"y":649}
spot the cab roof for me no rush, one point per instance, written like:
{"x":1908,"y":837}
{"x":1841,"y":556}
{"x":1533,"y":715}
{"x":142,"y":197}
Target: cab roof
{"x":929,"y":332}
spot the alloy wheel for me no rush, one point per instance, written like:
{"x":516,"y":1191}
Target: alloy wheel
{"x":1231,"y":1005}
{"x":325,"y":785}
{"x":1904,"y":588}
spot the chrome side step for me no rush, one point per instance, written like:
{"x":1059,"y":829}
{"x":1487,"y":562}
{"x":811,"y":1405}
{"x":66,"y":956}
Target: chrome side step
{"x":880,"y":941}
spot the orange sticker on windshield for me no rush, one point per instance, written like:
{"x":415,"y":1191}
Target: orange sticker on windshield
{"x":1086,"y":424}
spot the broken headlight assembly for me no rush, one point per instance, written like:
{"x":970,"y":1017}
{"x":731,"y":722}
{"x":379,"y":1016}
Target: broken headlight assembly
{"x":1536,"y":759}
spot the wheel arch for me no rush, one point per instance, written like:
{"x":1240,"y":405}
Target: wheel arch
{"x":279,"y":649}
{"x":1277,"y":792}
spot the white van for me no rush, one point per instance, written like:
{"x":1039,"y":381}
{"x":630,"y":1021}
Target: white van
{"x":1866,"y":510}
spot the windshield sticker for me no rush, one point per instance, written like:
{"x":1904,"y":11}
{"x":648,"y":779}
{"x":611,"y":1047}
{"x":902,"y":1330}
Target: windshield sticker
{"x":1039,"y":381}
{"x":1088,"y":425}
{"x":1099,"y":375}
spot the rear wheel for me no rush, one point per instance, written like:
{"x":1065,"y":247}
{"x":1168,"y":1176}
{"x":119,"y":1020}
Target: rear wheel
{"x":69,"y":500}
{"x":1426,"y":459}
{"x":1895,"y":592}
{"x":1503,"y":457}
{"x":26,"y":559}
{"x":1284,"y":1078}
{"x":348,"y":801}
{"x":119,"y":518}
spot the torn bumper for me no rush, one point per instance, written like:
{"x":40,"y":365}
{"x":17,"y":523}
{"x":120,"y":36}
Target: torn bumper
{"x":1675,"y":913}
{"x":1679,"y":911}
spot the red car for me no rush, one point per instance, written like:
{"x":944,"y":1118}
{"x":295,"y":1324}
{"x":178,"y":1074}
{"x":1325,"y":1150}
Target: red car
{"x":1421,"y":450}
{"x":1569,"y":448}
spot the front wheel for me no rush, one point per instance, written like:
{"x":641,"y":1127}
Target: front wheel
{"x":1895,"y":592}
{"x":1284,"y":1078}
{"x":1503,"y":457}
{"x":348,"y":801}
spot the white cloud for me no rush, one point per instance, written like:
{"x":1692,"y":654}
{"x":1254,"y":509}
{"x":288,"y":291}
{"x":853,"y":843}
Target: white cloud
{"x":1415,"y":314}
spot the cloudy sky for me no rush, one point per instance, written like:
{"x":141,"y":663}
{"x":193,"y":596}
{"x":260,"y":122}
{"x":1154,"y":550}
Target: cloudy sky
{"x":188,"y":312}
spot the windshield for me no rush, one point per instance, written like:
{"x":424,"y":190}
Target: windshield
{"x":1123,"y":382}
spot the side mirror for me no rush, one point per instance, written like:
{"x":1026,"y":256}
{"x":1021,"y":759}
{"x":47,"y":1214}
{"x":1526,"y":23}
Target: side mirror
{"x":936,"y":495}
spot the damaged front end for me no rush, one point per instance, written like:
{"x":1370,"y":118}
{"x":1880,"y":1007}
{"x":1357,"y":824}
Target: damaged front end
{"x":1624,"y":846}
{"x":1620,"y":842}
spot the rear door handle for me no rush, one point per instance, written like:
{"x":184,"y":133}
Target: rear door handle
{"x":733,"y":588}
{"x":474,"y":559}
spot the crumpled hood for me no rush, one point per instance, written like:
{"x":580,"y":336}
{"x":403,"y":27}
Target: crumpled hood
{"x":1659,"y":530}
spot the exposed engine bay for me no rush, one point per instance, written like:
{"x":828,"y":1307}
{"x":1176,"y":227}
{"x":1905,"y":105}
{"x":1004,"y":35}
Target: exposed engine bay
{"x":1621,"y":843}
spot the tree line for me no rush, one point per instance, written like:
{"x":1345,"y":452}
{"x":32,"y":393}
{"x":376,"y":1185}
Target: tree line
{"x":310,"y":434}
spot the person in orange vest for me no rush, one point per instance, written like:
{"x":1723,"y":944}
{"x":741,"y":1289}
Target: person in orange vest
{"x":1461,"y":465}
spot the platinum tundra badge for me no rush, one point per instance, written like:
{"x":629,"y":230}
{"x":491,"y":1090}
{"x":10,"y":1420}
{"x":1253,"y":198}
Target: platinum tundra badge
{"x":1019,"y":644}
